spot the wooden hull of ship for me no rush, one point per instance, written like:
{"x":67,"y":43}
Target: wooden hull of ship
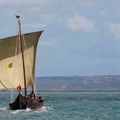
{"x":23,"y":102}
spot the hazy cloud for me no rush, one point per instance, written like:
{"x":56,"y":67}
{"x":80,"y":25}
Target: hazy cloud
{"x":115,"y":29}
{"x":26,"y":2}
{"x":81,"y":23}
{"x":49,"y":43}
{"x":36,"y":26}
{"x":91,"y":3}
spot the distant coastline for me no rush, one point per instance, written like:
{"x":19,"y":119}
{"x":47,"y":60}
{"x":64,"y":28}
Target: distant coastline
{"x":96,"y":83}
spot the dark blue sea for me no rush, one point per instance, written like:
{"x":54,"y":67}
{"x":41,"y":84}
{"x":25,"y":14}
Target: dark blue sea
{"x":67,"y":106}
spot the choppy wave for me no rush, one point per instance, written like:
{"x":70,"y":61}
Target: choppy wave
{"x":42,"y":109}
{"x":3,"y":109}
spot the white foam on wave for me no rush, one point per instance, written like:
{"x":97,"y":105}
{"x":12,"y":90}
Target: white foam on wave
{"x":27,"y":109}
{"x":3,"y":109}
{"x":44,"y":109}
{"x":18,"y":111}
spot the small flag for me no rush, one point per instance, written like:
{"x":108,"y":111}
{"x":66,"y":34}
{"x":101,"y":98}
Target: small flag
{"x":18,"y":88}
{"x":17,"y":16}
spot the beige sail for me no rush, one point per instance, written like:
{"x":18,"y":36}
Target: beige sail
{"x":11,"y":69}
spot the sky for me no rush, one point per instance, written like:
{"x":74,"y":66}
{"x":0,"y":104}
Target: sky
{"x":81,"y":37}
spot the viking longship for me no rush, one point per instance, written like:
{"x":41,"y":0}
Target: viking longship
{"x":17,"y":68}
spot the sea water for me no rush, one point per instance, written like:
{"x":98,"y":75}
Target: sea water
{"x":67,"y":106}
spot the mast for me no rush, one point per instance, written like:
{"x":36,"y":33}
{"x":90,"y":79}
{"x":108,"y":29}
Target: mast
{"x":22,"y":51}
